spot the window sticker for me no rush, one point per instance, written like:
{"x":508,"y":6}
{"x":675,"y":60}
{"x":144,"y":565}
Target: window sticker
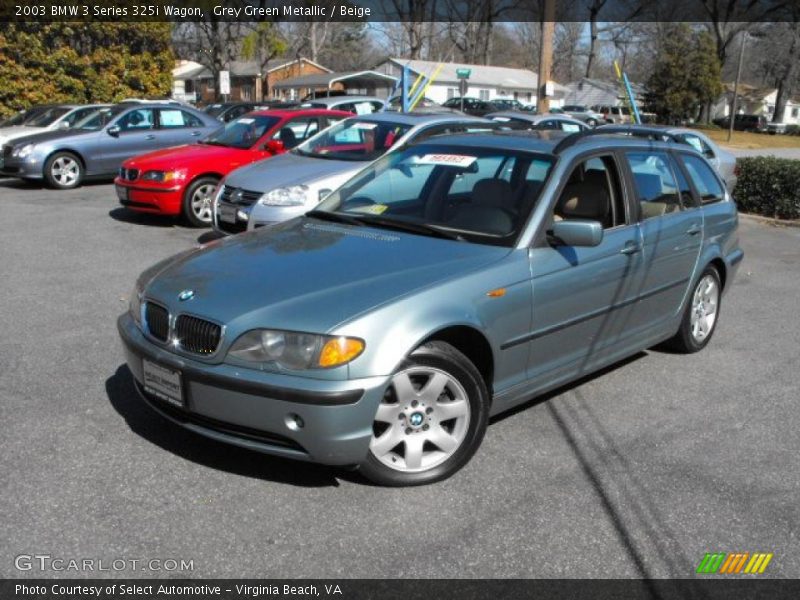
{"x":245,"y":120}
{"x":454,"y":160}
{"x":171,"y":118}
{"x":372,"y":209}
{"x":364,"y":125}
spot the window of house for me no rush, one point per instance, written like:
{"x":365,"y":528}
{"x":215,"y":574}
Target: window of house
{"x":795,"y":112}
{"x":483,"y":94}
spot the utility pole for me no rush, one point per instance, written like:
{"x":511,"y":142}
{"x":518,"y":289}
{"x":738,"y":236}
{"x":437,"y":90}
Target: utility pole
{"x":736,"y":86}
{"x":548,"y":26}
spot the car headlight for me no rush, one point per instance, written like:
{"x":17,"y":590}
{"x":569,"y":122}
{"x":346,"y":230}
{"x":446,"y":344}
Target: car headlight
{"x":162,"y":176}
{"x":294,"y":195}
{"x":135,"y":303}
{"x":296,"y":350}
{"x":23,"y":151}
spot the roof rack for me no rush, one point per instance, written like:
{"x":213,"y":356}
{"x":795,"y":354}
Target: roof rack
{"x":641,"y":131}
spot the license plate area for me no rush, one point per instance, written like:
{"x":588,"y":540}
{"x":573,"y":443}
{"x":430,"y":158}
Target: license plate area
{"x":163,"y":383}
{"x":226,"y":213}
{"x":122,"y":192}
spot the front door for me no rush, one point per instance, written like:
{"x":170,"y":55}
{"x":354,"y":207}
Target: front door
{"x":137,"y":134}
{"x":582,"y":296}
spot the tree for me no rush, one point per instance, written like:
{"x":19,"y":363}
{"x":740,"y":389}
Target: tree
{"x":211,"y":42}
{"x":82,"y":62}
{"x":263,"y":43}
{"x":687,"y":74}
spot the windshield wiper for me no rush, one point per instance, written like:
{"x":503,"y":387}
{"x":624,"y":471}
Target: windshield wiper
{"x":324,"y":215}
{"x":420,"y":228}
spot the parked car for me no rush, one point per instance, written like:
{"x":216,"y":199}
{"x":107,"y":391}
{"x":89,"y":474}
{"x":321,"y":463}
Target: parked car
{"x":618,"y":115}
{"x":754,"y":123}
{"x":395,"y":103}
{"x":524,"y":120}
{"x":582,"y":113}
{"x":23,"y":115}
{"x":323,"y":94}
{"x":357,"y":105}
{"x":182,"y":180}
{"x":472,"y":106}
{"x":508,"y":104}
{"x":228,"y":111}
{"x":722,"y":160}
{"x":50,"y":118}
{"x":447,"y":282}
{"x":96,"y":146}
{"x":287,"y":186}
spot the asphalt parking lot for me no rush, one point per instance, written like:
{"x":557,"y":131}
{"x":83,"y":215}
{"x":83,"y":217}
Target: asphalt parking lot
{"x":636,"y":472}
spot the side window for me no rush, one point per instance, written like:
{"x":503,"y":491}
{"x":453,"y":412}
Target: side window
{"x":173,"y":118}
{"x":296,"y":131}
{"x":549,"y":124}
{"x":654,"y":181}
{"x":698,"y":144}
{"x":684,"y":189}
{"x":347,"y":107}
{"x":593,"y":192}
{"x":78,"y":115}
{"x":705,"y":181}
{"x":137,"y":120}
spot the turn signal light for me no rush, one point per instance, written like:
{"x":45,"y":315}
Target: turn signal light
{"x":340,"y":350}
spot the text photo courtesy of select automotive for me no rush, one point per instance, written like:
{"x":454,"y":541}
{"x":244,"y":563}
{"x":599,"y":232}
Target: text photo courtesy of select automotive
{"x":260,"y":275}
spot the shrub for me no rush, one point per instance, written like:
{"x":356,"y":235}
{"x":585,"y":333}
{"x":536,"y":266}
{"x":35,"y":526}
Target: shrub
{"x":793,"y":130}
{"x":769,"y":186}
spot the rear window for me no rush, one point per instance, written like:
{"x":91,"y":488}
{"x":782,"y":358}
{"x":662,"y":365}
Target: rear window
{"x":705,"y":181}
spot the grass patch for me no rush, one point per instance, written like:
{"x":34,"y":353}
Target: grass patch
{"x":746,"y":140}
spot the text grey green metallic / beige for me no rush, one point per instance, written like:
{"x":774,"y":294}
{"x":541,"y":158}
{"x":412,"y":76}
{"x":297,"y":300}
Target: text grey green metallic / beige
{"x":446,"y":282}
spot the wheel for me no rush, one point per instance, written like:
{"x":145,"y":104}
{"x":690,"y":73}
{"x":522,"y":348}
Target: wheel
{"x":591,"y":123}
{"x":701,"y":314}
{"x":198,"y":201}
{"x":431,"y":420}
{"x":63,"y":170}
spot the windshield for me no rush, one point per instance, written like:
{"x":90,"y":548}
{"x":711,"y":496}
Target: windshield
{"x":482,"y":195}
{"x":48,"y":117}
{"x":354,"y":139}
{"x":22,"y":117}
{"x":101,"y":118}
{"x":242,"y":132}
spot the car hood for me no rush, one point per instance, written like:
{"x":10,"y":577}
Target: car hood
{"x":289,"y":169}
{"x":307,"y":274}
{"x":189,"y":154}
{"x":10,"y":133}
{"x":49,"y":136}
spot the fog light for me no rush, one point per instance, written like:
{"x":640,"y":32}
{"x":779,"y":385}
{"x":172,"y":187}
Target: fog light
{"x":294,"y":422}
{"x":242,"y":216}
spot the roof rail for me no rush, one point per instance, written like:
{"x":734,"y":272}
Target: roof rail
{"x":642,"y":131}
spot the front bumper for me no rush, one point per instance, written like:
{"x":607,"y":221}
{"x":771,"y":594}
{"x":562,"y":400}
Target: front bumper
{"x":25,"y":168}
{"x":151,"y":199}
{"x":254,"y":216}
{"x":255,"y":409}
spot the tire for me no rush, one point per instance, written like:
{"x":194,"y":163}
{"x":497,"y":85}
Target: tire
{"x":701,"y":314}
{"x":63,"y":171}
{"x":198,"y":201}
{"x":591,"y":123}
{"x":411,"y":443}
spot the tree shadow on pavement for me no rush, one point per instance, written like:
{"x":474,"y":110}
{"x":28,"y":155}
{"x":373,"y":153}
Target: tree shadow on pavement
{"x":124,"y":215}
{"x":157,"y":430}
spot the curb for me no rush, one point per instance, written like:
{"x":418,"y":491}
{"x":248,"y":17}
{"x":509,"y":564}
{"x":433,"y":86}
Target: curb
{"x":770,"y":220}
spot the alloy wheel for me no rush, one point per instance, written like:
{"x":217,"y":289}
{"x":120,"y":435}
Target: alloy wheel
{"x":202,"y":201}
{"x":704,"y":308}
{"x":65,"y":170}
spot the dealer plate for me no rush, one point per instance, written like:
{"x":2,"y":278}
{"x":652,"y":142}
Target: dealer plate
{"x":226,"y":213}
{"x":122,"y":193}
{"x":162,"y":383}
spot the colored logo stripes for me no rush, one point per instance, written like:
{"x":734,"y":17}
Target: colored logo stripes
{"x":734,"y":562}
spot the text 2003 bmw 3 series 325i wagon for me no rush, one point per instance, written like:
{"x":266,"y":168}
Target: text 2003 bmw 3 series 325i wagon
{"x":448,"y":281}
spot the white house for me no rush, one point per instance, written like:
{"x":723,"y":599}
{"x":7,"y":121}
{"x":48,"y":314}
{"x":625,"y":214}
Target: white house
{"x":755,"y":101}
{"x":485,"y":82}
{"x":594,"y":92}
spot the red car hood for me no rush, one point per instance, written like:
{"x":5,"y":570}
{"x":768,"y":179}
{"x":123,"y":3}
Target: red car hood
{"x":220,"y":159}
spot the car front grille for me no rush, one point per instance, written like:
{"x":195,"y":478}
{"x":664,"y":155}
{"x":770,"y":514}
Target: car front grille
{"x":128,"y":174}
{"x":157,"y":321}
{"x":197,"y":335}
{"x":234,"y":195}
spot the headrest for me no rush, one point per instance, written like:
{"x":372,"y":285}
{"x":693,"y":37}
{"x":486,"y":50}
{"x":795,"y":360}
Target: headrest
{"x":493,"y":192}
{"x":583,"y":200}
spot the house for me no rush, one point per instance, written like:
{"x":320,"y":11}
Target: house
{"x":193,"y":82}
{"x":594,"y":92}
{"x":485,"y":82}
{"x":755,"y":101}
{"x":367,"y":83}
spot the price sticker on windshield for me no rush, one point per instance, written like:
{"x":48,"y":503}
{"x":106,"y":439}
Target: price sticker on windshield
{"x":246,"y":120}
{"x":364,"y":125}
{"x":453,"y":160}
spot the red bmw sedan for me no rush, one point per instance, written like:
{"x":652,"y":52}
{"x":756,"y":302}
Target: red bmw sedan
{"x":180,"y":181}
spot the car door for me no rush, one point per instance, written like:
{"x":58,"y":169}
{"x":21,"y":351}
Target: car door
{"x":582,"y":296}
{"x":134,"y":132}
{"x":672,"y":230}
{"x":176,"y":127}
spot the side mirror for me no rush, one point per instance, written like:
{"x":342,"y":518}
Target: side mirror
{"x":275,"y":146}
{"x":113,"y":131}
{"x":63,"y":125}
{"x":578,"y":232}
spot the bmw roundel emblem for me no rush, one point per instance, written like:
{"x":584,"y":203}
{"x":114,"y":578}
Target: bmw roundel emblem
{"x":186,"y":295}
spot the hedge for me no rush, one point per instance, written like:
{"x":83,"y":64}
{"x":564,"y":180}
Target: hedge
{"x":768,"y":186}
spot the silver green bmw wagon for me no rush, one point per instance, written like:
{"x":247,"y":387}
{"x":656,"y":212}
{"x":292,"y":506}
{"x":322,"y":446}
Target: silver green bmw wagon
{"x":448,"y":281}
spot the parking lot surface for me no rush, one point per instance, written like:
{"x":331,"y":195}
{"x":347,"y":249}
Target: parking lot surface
{"x":637,"y":471}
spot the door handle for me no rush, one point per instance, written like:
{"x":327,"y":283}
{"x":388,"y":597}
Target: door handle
{"x":196,"y":133}
{"x":150,"y":137}
{"x":694,"y":229}
{"x":630,"y":248}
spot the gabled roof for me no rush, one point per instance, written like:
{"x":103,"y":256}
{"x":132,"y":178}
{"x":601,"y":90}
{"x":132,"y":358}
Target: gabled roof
{"x":324,"y":80}
{"x":481,"y":75}
{"x":245,"y":68}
